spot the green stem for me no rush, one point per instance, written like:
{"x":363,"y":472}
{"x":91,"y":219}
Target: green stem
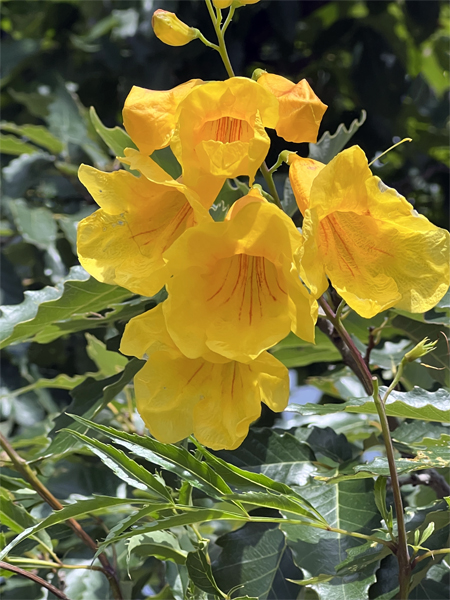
{"x":34,"y":562}
{"x":432,"y":553}
{"x":397,"y":378}
{"x":222,"y":49}
{"x":27,"y":473}
{"x":228,"y":20}
{"x":270,"y":184}
{"x":402,"y":553}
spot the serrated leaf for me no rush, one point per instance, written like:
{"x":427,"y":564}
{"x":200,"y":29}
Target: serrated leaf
{"x":283,"y":503}
{"x":191,"y":516}
{"x":257,"y":558}
{"x":330,"y":145}
{"x":17,"y":518}
{"x":247,"y":480}
{"x":325,"y":441}
{"x":225,"y":199}
{"x":124,"y":467}
{"x":414,"y":432}
{"x":98,"y":504}
{"x":349,"y":506}
{"x":416,"y":404}
{"x":108,"y":362}
{"x":161,"y":544}
{"x":23,"y":172}
{"x":54,"y":311}
{"x":37,"y":134}
{"x":434,"y":586}
{"x":279,"y":456}
{"x":200,"y":573}
{"x":294,"y":352}
{"x":169,"y":457}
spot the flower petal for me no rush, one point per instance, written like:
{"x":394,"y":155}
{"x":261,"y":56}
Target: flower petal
{"x":123,"y":243}
{"x":301,"y":111}
{"x":149,"y":115}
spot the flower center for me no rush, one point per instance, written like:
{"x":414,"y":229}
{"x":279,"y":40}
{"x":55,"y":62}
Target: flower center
{"x":227,"y":130}
{"x":245,"y":285}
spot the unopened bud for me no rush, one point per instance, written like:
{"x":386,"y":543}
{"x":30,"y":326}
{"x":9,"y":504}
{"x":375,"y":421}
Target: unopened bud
{"x":257,"y":74}
{"x":222,"y":3}
{"x":169,"y":29}
{"x":422,"y":348}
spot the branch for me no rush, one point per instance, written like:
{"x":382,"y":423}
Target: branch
{"x":35,"y":578}
{"x":27,"y":472}
{"x":431,"y":478}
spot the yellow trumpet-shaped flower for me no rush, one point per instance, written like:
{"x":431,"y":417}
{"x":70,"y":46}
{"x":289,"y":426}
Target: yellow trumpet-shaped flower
{"x":377,"y":251}
{"x":171,"y":30}
{"x":301,"y":111}
{"x":235,"y":288}
{"x":226,"y":3}
{"x":217,"y":401}
{"x":149,"y":115}
{"x":220,"y":130}
{"x":140,"y":217}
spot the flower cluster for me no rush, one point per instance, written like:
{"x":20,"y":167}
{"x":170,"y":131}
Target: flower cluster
{"x":238,"y":287}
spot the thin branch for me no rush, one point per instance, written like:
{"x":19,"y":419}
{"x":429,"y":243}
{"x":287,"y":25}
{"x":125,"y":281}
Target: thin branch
{"x":33,"y":577}
{"x":27,"y":473}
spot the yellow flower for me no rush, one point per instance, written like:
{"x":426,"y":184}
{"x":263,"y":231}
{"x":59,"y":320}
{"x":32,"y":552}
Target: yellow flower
{"x":169,"y":29}
{"x":235,"y":288}
{"x":140,"y":217}
{"x":301,"y":111}
{"x":220,"y":130}
{"x":149,"y":115}
{"x":177,"y":396}
{"x":377,"y":251}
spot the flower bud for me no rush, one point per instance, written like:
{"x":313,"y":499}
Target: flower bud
{"x":170,"y":30}
{"x":422,"y":348}
{"x":222,"y":3}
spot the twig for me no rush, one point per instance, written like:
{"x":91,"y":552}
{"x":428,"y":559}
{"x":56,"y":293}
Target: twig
{"x":33,"y":577}
{"x":27,"y":472}
{"x":430,"y":478}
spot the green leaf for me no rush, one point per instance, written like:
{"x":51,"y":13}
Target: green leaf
{"x":108,"y":363}
{"x":200,"y":572}
{"x":191,"y":516}
{"x":414,"y":432}
{"x":85,"y":584}
{"x":325,"y":441}
{"x":99,"y":504}
{"x":37,"y":225}
{"x":290,"y":504}
{"x":349,"y":506}
{"x":169,"y":457}
{"x":47,"y":314}
{"x":67,"y":124}
{"x":247,"y":480}
{"x":257,"y":558}
{"x":9,"y":144}
{"x":341,"y":383}
{"x":434,"y":586}
{"x":124,"y":467}
{"x":17,"y":518}
{"x":161,"y":544}
{"x":281,"y":457}
{"x":330,"y":145}
{"x":294,"y":352}
{"x":416,"y":404}
{"x":89,"y":398}
{"x":116,"y":138}
{"x":226,"y":198}
{"x":165,"y":158}
{"x":288,"y":201}
{"x":37,"y":134}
